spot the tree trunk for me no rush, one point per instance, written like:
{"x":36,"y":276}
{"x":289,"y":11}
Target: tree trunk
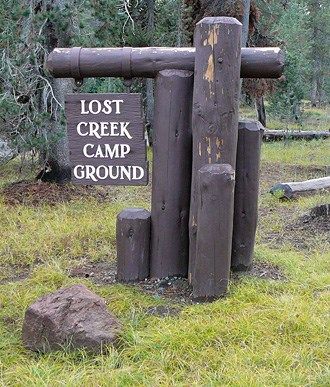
{"x":314,"y":92}
{"x":58,"y":163}
{"x":56,"y":159}
{"x":150,"y":82}
{"x":245,"y":22}
{"x":319,"y":54}
{"x":180,"y":25}
{"x":245,"y":34}
{"x":260,"y":109}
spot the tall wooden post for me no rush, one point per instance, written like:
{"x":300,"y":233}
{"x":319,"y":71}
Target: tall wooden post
{"x":171,"y":174}
{"x":246,"y":193}
{"x":215,"y":207}
{"x":215,"y":103}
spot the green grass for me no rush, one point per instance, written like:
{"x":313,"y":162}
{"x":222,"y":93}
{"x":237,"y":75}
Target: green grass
{"x":265,"y":333}
{"x":292,"y":152}
{"x":312,"y":119}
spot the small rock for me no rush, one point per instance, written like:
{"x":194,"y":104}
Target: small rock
{"x":72,"y":317}
{"x":163,"y":311}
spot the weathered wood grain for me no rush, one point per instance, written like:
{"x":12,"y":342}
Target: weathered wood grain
{"x":278,"y":135}
{"x":96,"y":143}
{"x":246,"y":193}
{"x":171,"y":173}
{"x":214,"y":231}
{"x":299,"y":188}
{"x":215,"y":103}
{"x":257,"y":62}
{"x":133,"y":244}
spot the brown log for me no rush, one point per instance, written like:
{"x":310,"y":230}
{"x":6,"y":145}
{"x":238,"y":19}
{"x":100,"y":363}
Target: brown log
{"x":171,"y":180}
{"x":214,"y":231}
{"x":215,"y":104}
{"x":131,"y":62}
{"x":133,"y":244}
{"x":277,"y":135}
{"x":246,"y":193}
{"x":299,"y":188}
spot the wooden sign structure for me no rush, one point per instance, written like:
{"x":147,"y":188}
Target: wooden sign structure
{"x":201,"y":203}
{"x":106,"y":139}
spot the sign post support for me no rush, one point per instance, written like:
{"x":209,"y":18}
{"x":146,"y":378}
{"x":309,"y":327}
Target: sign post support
{"x":194,"y":151}
{"x":171,"y":174}
{"x":215,"y":105}
{"x":246,"y":193}
{"x":215,"y":207}
{"x":133,"y":244}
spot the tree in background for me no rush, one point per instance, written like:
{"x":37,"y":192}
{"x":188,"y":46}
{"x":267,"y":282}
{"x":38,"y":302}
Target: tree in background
{"x":301,"y":28}
{"x":291,"y":29}
{"x":31,"y":104}
{"x":245,"y":11}
{"x":248,"y":13}
{"x":319,"y":55}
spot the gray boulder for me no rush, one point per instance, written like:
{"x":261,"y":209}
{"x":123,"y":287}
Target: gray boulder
{"x":73,"y":318}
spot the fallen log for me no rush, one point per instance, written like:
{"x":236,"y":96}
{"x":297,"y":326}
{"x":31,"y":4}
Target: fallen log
{"x":293,"y":189}
{"x":277,"y":135}
{"x":128,"y":62}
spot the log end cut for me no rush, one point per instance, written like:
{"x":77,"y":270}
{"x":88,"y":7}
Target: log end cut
{"x":281,"y":191}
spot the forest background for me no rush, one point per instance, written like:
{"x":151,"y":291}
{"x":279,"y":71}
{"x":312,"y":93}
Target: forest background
{"x":32,"y":121}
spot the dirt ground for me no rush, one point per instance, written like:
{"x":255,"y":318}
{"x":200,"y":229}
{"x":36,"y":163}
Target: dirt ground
{"x":36,"y":193}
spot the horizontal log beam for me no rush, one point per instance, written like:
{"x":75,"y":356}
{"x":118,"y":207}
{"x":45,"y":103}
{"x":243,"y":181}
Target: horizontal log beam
{"x":277,"y":135}
{"x":293,"y":189}
{"x":146,"y":62}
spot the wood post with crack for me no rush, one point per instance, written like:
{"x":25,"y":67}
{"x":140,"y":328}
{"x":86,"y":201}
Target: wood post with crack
{"x":215,"y":206}
{"x":133,"y":244}
{"x":171,"y":174}
{"x":215,"y":106}
{"x":246,"y":193}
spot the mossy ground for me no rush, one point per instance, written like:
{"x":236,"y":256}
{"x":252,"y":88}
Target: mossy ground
{"x":264,"y":333}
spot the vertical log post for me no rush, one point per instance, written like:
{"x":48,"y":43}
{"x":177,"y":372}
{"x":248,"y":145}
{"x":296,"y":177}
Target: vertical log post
{"x":133,"y":244}
{"x":215,"y":208}
{"x":171,"y":177}
{"x":215,"y":104}
{"x":246,"y":193}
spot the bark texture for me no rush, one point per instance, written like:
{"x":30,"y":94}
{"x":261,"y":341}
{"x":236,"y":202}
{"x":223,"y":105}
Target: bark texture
{"x":246,"y":193}
{"x":56,"y":159}
{"x":215,"y":104}
{"x":133,"y":244}
{"x":214,"y":231}
{"x":171,"y":174}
